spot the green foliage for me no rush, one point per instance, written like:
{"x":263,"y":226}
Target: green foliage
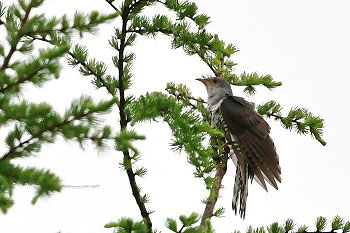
{"x":252,"y":80}
{"x":302,"y":228}
{"x":275,"y":228}
{"x":188,"y":224}
{"x":22,"y":28}
{"x":188,"y":129}
{"x":36,"y":71}
{"x":79,"y":56}
{"x":171,"y":224}
{"x":337,"y":223}
{"x":298,"y":119}
{"x":123,"y":141}
{"x":127,"y":225}
{"x":32,"y":125}
{"x":11,"y":175}
{"x":219,"y":212}
{"x":289,"y":226}
{"x":187,"y":9}
{"x":321,"y":223}
{"x":346,"y":227}
{"x":189,"y":220}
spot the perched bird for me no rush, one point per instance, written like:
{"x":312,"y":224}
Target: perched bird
{"x":247,"y":138}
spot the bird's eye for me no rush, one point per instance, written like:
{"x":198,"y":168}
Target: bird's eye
{"x":215,"y":81}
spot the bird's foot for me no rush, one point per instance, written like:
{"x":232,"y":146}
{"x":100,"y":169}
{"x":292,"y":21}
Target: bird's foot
{"x":225,"y":147}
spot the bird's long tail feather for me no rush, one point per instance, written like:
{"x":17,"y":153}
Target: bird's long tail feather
{"x":240,"y":191}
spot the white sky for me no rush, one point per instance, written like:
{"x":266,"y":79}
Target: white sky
{"x":304,"y":44}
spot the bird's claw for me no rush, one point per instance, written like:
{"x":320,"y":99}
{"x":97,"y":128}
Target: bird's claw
{"x":224,"y":146}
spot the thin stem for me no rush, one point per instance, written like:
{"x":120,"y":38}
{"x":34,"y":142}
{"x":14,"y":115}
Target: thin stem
{"x":205,"y":60}
{"x":111,"y":4}
{"x":181,"y":229}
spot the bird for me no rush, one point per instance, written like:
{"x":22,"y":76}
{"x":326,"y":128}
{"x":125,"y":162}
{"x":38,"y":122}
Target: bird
{"x":247,"y":137}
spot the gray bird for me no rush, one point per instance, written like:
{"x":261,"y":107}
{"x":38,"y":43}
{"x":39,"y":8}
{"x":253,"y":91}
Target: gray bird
{"x":247,"y":137}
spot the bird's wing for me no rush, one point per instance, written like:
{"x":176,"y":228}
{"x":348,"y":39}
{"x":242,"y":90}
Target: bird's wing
{"x":254,"y":145}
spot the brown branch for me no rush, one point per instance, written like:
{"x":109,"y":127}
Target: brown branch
{"x":221,"y":168}
{"x":124,"y":121}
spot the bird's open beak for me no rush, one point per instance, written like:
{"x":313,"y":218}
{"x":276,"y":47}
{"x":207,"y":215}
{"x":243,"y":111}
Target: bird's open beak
{"x":205,"y":81}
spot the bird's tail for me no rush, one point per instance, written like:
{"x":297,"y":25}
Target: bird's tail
{"x":240,"y":190}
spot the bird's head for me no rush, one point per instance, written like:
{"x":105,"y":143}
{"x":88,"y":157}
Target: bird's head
{"x":216,"y":86}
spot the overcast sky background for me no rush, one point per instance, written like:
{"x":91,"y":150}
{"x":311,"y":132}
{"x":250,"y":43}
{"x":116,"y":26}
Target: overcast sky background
{"x":303,"y":44}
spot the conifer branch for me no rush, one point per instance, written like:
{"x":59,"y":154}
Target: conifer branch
{"x":76,"y":60}
{"x":35,"y":70}
{"x":11,"y":153}
{"x":124,"y":119}
{"x":36,"y":124}
{"x":18,"y":37}
{"x":93,"y":72}
{"x":299,"y":119}
{"x":250,"y":80}
{"x":19,"y":81}
{"x":182,"y":93}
